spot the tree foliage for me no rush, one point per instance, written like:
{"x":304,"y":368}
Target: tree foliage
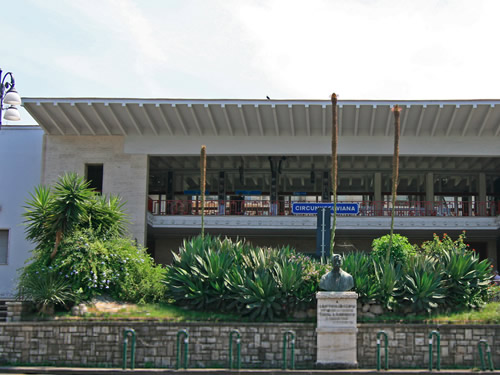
{"x":81,"y":251}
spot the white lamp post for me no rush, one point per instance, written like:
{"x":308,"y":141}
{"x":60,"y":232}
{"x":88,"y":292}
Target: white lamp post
{"x":9,"y":95}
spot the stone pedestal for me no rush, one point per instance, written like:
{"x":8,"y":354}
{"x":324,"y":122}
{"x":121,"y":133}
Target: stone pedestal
{"x":336,"y":330}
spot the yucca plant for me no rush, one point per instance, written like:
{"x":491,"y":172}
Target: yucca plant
{"x":70,"y":204}
{"x":46,"y":290}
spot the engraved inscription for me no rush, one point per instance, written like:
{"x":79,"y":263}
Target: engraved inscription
{"x":339,"y":313}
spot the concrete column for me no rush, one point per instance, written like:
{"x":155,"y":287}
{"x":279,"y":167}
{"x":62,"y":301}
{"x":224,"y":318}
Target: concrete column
{"x":377,"y":186}
{"x":222,"y":193}
{"x":481,"y":209}
{"x":325,"y":191}
{"x":377,"y":193}
{"x":429,"y":193}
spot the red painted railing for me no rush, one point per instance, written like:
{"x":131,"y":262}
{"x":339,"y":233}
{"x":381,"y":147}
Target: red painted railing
{"x":284,"y":208}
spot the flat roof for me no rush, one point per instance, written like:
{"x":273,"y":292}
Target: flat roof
{"x":247,"y":117}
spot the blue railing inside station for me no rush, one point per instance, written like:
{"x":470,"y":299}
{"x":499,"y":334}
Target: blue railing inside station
{"x":284,"y":208}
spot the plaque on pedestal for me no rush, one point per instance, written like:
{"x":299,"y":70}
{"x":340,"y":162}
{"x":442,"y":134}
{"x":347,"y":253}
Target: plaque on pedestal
{"x":336,"y":330}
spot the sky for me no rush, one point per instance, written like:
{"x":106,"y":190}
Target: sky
{"x":235,"y":49}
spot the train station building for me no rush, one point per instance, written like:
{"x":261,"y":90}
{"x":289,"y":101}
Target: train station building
{"x":264,"y":155}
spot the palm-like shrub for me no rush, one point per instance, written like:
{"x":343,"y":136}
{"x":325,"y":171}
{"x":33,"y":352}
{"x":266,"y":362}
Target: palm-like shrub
{"x":46,"y":289}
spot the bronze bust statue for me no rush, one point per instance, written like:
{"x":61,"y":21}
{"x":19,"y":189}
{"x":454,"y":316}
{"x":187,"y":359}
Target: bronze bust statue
{"x":336,"y":280}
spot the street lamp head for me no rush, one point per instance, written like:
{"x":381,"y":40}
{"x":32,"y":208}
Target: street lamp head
{"x":12,"y":114}
{"x":12,"y":97}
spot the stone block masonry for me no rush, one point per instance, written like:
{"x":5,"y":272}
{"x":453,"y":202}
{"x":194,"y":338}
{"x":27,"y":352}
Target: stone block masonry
{"x":100,"y":344}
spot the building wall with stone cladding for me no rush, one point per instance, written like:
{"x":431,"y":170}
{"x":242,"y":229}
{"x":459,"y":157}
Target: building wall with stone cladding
{"x":101,"y":343}
{"x":124,"y":174}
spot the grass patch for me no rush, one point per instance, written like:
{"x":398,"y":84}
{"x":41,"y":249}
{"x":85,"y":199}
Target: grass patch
{"x":154,"y":311}
{"x":489,"y":314}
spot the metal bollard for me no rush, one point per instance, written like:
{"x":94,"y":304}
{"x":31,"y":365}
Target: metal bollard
{"x":438,"y":339}
{"x":292,"y":347}
{"x":386,"y":342}
{"x":184,"y":333}
{"x":126,"y":334}
{"x":238,"y":349}
{"x":481,"y":355}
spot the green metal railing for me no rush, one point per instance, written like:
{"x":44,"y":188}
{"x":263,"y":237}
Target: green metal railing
{"x":184,"y":333}
{"x":480,"y":344}
{"x":386,"y":356}
{"x":126,"y":334}
{"x":238,"y":349}
{"x":292,"y":348}
{"x":438,"y":359}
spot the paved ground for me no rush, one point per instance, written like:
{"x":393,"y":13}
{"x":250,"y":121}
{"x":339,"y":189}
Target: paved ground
{"x":116,"y":371}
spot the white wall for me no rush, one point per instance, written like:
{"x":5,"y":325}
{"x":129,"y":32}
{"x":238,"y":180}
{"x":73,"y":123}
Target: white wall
{"x":20,"y":161}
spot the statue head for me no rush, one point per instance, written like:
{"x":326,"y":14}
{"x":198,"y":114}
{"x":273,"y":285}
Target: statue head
{"x":336,"y":261}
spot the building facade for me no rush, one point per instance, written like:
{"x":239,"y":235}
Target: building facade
{"x":21,"y":155}
{"x":265,"y":155}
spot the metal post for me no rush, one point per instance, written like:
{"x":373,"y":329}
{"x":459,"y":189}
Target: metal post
{"x":481,"y":355}
{"x":292,"y":347}
{"x":386,"y":344}
{"x":126,"y":334}
{"x":438,"y":339}
{"x":186,"y":342}
{"x":238,"y":349}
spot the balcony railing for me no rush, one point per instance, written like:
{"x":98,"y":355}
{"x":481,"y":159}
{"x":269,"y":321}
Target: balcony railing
{"x":284,"y":208}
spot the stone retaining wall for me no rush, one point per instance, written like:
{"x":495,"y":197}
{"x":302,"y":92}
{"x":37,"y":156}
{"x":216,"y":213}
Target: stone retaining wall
{"x":100,"y":343}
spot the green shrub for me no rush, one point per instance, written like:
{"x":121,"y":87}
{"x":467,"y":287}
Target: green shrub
{"x":233,"y":276}
{"x":401,"y":249}
{"x":45,"y":288}
{"x":92,"y":266}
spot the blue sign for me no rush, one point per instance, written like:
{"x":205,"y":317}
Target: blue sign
{"x":300,"y":193}
{"x":195,"y":192}
{"x":312,"y":208}
{"x":248,"y":192}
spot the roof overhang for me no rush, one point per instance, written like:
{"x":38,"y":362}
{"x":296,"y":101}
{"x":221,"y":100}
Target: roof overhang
{"x":196,"y":117}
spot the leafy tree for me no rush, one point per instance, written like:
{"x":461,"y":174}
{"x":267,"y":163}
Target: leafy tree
{"x":80,"y":249}
{"x":70,"y":204}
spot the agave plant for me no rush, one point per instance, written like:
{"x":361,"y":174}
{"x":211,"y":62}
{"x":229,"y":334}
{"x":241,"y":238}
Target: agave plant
{"x":261,"y":296}
{"x":422,"y":289}
{"x":465,"y":278}
{"x":387,"y":281}
{"x":360,"y":266}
